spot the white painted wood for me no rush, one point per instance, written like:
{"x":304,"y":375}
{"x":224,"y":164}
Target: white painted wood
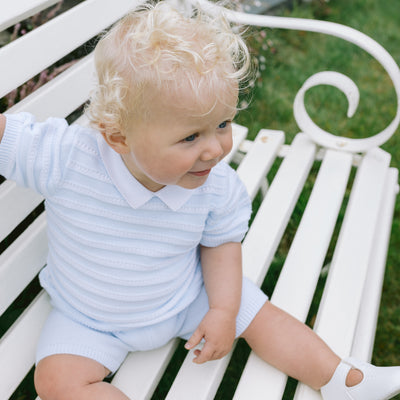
{"x":18,"y":10}
{"x":339,"y":306}
{"x":49,"y":43}
{"x":302,"y":268}
{"x":239,"y":134}
{"x":72,"y":86}
{"x":141,"y":371}
{"x":261,"y":243}
{"x":255,"y":166}
{"x":369,"y":308}
{"x":308,"y":250}
{"x":198,"y":382}
{"x":258,"y":374}
{"x":21,"y":262}
{"x":16,"y":204}
{"x":18,"y":346}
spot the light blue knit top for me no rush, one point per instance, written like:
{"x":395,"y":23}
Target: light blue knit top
{"x":120,"y":256}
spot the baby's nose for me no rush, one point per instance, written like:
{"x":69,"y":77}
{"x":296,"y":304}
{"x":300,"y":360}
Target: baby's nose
{"x":213,"y":149}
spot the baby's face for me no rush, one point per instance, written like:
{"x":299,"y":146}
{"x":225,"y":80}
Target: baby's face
{"x":177,"y":145}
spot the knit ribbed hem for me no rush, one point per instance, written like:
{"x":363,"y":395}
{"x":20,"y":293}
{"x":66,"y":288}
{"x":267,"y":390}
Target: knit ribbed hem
{"x":253,"y":299}
{"x":111,"y":361}
{"x":8,"y":143}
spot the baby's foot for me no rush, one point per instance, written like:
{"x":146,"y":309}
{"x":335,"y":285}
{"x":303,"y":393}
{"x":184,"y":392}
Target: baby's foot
{"x":378,"y":383}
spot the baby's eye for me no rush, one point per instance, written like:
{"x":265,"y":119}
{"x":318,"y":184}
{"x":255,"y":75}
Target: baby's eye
{"x":223,"y":125}
{"x":190,"y":138}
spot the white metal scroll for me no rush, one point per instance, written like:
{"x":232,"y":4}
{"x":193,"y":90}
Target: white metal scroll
{"x":336,"y":79}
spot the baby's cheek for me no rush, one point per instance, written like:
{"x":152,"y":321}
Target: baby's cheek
{"x":166,"y":175}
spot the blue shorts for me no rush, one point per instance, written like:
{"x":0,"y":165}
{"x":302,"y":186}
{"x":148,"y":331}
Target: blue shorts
{"x":62,"y":335}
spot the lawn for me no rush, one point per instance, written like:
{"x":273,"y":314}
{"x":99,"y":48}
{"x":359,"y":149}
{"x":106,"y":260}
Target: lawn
{"x":287,"y":58}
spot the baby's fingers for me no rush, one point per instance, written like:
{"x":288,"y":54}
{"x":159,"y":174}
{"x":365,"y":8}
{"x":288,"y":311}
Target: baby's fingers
{"x":207,"y":353}
{"x":194,"y":340}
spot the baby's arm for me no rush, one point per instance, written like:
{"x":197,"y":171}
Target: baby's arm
{"x":2,"y":125}
{"x":222,"y":272}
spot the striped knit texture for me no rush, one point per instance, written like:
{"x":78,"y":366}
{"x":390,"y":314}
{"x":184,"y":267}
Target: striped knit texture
{"x":112,"y":266}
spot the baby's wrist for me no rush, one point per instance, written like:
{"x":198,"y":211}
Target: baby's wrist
{"x":229,"y":312}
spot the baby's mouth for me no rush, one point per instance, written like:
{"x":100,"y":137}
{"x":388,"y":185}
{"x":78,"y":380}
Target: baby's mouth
{"x":200,"y":173}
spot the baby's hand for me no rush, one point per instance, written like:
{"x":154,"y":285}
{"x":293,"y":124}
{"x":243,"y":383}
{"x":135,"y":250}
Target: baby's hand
{"x":218,"y":329}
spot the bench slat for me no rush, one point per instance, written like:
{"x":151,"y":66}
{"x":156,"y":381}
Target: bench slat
{"x":16,"y":204}
{"x":198,"y":382}
{"x":49,"y":43}
{"x":367,"y":320}
{"x":141,"y":371}
{"x":260,"y":244}
{"x":19,"y":10}
{"x":21,"y":262}
{"x":259,"y":159}
{"x":257,"y":370}
{"x":73,"y":86}
{"x":18,"y":346}
{"x":338,"y":313}
{"x":302,"y":267}
{"x":308,"y":250}
{"x":239,"y":134}
{"x":350,"y":261}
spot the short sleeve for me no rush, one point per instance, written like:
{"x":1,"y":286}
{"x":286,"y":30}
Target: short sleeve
{"x":33,"y":153}
{"x":229,"y":216}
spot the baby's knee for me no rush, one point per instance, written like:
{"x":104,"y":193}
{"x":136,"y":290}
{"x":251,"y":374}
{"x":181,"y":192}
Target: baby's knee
{"x":49,"y":381}
{"x":63,"y":376}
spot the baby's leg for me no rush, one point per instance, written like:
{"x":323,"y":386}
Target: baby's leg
{"x":73,"y":359}
{"x":291,"y":346}
{"x":296,"y":350}
{"x":65,"y":377}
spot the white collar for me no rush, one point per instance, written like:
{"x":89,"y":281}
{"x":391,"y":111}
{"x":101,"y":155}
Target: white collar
{"x":131,"y":189}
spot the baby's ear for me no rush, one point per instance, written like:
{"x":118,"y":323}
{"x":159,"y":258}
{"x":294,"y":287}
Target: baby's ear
{"x":116,"y":140}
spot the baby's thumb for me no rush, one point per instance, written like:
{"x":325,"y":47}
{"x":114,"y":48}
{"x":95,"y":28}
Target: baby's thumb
{"x":194,"y":340}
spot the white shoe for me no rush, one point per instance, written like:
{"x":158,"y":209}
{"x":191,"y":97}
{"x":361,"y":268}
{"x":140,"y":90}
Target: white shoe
{"x":378,"y":383}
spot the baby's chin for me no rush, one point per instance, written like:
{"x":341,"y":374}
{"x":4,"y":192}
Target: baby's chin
{"x":194,"y":180}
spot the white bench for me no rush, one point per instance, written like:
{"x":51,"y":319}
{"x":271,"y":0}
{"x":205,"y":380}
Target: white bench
{"x":347,"y":313}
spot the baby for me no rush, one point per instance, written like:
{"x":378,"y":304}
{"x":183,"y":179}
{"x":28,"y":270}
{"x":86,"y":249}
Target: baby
{"x":145,"y":219}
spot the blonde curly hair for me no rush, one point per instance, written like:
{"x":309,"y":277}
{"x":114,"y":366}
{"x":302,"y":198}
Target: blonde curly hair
{"x":157,"y":48}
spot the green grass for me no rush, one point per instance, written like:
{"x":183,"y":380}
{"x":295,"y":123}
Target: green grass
{"x":289,"y":59}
